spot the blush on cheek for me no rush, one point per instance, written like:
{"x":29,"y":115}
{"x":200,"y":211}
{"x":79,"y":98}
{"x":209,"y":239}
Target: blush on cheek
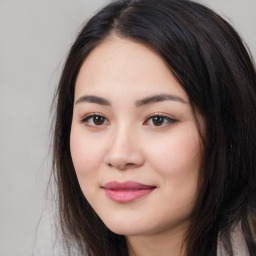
{"x":81,"y":152}
{"x":184,"y":161}
{"x":86,"y":162}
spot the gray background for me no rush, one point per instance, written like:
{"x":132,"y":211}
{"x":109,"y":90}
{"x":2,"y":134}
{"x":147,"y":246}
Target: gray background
{"x":34,"y":39}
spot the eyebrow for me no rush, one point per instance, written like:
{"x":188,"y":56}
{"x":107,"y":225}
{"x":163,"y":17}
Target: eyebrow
{"x":159,"y":98}
{"x":93,"y":99}
{"x":138,"y":103}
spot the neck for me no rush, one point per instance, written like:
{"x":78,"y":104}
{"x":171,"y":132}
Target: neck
{"x":164,"y":244}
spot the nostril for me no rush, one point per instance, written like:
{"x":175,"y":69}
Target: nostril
{"x":122,"y":166}
{"x":130,"y":165}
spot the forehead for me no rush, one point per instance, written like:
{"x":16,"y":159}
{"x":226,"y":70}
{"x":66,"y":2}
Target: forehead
{"x":124,"y":65}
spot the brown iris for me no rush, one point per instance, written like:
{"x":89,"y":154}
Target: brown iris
{"x":98,"y":120}
{"x":157,"y":120}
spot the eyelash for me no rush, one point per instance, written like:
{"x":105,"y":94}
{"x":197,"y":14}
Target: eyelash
{"x":166,"y":120}
{"x":87,"y":118}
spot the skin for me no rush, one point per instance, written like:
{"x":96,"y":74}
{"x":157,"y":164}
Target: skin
{"x":125,"y":144}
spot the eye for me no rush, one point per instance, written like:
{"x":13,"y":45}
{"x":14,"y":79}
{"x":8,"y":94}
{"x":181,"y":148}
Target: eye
{"x":159,"y":120}
{"x":95,"y":120}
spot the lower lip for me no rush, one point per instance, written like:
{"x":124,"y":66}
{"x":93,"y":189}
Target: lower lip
{"x":125,"y":196}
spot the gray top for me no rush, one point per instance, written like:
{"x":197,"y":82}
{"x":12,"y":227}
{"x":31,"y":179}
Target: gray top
{"x":238,"y":243}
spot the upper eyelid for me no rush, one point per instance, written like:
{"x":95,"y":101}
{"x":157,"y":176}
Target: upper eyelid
{"x":92,"y":115}
{"x":170,"y":120}
{"x":160,"y":114}
{"x":85,"y":119}
{"x":164,"y":115}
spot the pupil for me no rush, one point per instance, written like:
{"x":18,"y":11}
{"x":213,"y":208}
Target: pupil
{"x":157,"y":120}
{"x":98,"y":120}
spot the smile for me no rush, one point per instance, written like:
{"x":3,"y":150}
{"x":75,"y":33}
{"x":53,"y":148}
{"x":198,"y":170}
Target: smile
{"x":127,"y":191}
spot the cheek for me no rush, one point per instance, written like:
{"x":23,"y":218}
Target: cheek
{"x":177,"y":155}
{"x":87,"y":158}
{"x":85,"y":152}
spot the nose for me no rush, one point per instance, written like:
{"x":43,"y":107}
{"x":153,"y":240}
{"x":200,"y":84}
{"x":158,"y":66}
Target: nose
{"x":124,"y":151}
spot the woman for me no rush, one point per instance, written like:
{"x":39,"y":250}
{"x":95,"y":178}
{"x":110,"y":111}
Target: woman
{"x":154,"y":144}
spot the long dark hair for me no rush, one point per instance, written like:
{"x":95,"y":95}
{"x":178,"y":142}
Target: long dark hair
{"x":212,"y":65}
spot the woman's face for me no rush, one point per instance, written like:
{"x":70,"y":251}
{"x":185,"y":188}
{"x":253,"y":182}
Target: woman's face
{"x":134,"y":142}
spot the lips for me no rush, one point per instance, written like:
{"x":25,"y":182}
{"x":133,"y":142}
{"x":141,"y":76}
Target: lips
{"x":127,"y":191}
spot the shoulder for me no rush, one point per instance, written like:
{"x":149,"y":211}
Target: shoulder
{"x":237,"y":241}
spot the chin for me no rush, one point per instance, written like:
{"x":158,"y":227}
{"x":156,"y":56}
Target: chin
{"x":126,"y":229}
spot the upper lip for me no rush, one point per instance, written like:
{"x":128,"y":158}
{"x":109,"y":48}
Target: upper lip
{"x":115,"y":185}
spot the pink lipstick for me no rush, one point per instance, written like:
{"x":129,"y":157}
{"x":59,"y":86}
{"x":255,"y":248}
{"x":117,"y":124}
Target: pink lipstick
{"x":126,"y":191}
